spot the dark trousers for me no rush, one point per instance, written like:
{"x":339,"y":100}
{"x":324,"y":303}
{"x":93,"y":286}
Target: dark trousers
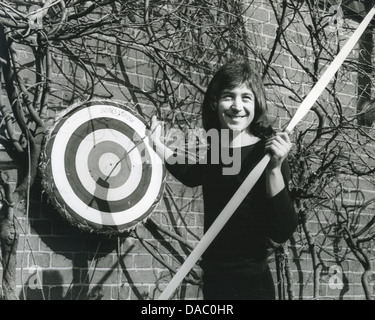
{"x":238,"y":284}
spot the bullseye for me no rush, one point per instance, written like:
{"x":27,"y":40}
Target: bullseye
{"x":109,"y":164}
{"x":98,"y":171}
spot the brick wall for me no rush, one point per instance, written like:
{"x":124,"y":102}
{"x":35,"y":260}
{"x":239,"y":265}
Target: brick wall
{"x":76,"y":265}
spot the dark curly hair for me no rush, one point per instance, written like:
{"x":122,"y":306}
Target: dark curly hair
{"x":228,"y":76}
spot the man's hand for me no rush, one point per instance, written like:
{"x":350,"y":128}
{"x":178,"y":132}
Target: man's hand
{"x":278,"y":146}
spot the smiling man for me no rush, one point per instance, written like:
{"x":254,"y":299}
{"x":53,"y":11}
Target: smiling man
{"x":236,"y":111}
{"x":235,"y":265}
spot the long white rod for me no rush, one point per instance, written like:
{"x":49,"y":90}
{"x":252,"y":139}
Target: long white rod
{"x":255,"y":174}
{"x":317,"y":90}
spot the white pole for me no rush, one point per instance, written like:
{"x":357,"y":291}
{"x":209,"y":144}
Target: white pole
{"x":329,"y":73}
{"x":255,"y":174}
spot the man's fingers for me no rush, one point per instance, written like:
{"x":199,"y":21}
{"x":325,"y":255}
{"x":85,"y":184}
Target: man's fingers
{"x":279,"y":145}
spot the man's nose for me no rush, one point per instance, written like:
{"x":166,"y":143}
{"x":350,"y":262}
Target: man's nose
{"x":237,"y":104}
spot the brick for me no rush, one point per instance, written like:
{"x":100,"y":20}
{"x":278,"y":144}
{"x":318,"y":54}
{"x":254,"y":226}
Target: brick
{"x":139,"y":248}
{"x":104,"y":261}
{"x":142,"y":261}
{"x":282,"y":60}
{"x":31,"y":243}
{"x":129,"y":63}
{"x":195,"y":235}
{"x":34,"y":294}
{"x":28,"y":276}
{"x":303,"y":291}
{"x":41,"y":259}
{"x":135,"y":80}
{"x":144,"y":233}
{"x":186,"y":91}
{"x":127,"y":260}
{"x":186,"y":219}
{"x":269,"y":30}
{"x":81,"y":260}
{"x":100,"y":292}
{"x":259,"y":14}
{"x":197,"y":205}
{"x":73,"y":70}
{"x":41,"y":227}
{"x":188,"y":291}
{"x":64,"y":261}
{"x":60,"y":293}
{"x":140,"y":276}
{"x":122,"y":293}
{"x":103,"y":245}
{"x":120,"y":92}
{"x":99,"y":91}
{"x":63,"y":244}
{"x":146,"y":110}
{"x":22,"y":259}
{"x":57,"y":276}
{"x":102,"y":276}
{"x":144,"y":68}
{"x":80,"y":292}
{"x":158,"y":265}
{"x":149,"y":84}
{"x":157,"y":290}
{"x":139,"y":292}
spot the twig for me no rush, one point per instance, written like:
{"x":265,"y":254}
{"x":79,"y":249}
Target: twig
{"x":173,"y":235}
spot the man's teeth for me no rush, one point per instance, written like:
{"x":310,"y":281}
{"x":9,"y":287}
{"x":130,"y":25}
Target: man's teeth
{"x":236,"y":117}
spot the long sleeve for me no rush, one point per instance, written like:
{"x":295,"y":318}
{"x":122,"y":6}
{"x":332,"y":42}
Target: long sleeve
{"x":191,"y":175}
{"x":282,"y":218}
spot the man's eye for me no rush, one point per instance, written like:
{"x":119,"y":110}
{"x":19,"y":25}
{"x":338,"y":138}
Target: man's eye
{"x":247,"y":98}
{"x":226,"y":97}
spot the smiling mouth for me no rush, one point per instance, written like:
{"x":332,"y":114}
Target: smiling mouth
{"x":235,"y":117}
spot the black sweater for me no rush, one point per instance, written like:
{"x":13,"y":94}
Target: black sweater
{"x":257,"y":217}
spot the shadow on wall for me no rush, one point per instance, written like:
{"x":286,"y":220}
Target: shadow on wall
{"x":77,"y":265}
{"x":63,"y":260}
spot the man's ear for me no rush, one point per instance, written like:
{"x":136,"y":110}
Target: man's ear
{"x":214,"y":105}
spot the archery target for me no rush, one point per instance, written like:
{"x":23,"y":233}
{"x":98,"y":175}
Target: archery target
{"x":100,"y":169}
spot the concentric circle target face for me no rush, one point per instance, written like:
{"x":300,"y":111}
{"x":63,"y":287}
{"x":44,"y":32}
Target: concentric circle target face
{"x":100,"y":169}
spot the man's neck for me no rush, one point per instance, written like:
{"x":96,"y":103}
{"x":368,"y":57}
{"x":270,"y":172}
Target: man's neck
{"x":241,"y":139}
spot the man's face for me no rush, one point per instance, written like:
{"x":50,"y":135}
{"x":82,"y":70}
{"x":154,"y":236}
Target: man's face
{"x":236,"y":108}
